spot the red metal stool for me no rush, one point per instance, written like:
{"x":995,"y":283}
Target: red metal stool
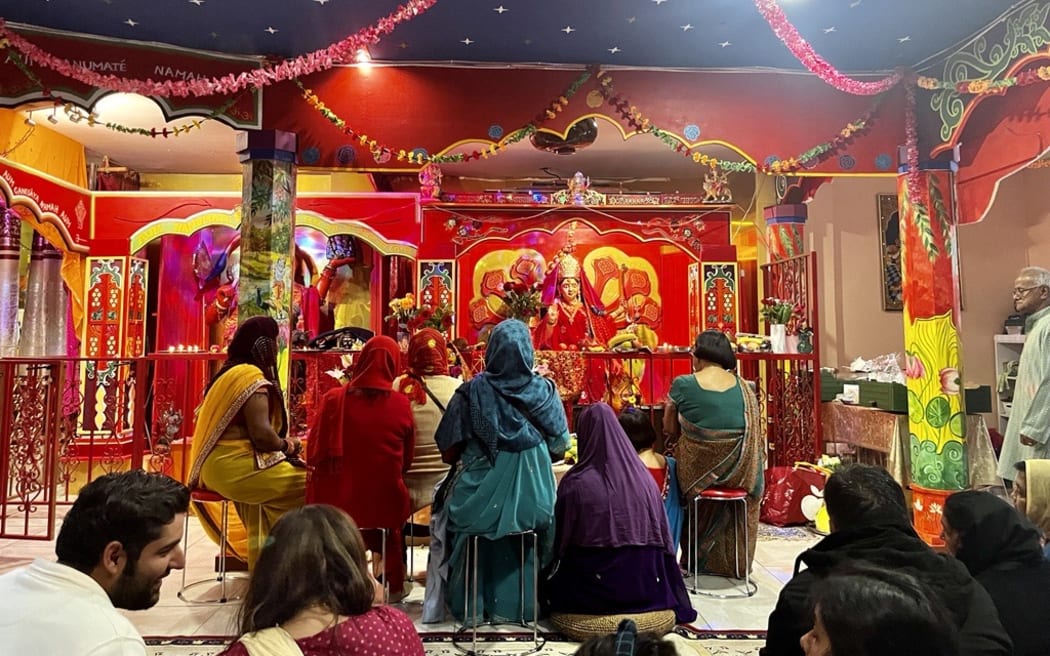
{"x":199,"y":495}
{"x":736,"y":497}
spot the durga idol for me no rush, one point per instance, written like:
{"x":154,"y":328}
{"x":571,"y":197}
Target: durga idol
{"x":575,"y":316}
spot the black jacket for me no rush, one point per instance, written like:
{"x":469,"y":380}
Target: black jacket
{"x":896,"y":547}
{"x":1001,"y":549}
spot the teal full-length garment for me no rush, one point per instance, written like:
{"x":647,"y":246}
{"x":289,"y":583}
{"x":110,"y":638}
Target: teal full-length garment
{"x":508,"y":422}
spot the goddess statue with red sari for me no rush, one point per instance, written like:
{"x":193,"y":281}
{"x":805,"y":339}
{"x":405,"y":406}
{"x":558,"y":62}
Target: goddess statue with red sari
{"x":575,"y":316}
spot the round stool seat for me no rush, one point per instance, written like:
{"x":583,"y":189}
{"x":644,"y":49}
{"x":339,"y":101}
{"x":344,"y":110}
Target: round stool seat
{"x":716,"y":493}
{"x":200,"y":495}
{"x":581,"y":627}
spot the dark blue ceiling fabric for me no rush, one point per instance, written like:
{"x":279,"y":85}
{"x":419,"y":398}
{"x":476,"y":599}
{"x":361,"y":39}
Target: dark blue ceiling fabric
{"x":853,"y":35}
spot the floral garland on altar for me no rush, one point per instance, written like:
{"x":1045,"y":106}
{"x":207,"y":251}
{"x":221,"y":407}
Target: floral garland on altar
{"x":809,"y":58}
{"x":320,"y":60}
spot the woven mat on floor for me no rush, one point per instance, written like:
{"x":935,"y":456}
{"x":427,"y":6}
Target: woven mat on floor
{"x":707,"y":643}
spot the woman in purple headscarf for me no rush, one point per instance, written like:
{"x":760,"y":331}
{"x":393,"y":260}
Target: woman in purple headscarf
{"x":614,"y":551}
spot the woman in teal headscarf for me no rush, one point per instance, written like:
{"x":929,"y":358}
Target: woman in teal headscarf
{"x":499,"y":432}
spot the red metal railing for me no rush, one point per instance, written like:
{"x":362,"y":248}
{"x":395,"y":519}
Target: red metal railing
{"x":66,"y":421}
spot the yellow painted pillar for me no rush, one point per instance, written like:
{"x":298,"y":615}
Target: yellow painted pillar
{"x":933,"y":359}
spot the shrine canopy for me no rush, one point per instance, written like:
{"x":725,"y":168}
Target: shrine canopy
{"x":389,"y":112}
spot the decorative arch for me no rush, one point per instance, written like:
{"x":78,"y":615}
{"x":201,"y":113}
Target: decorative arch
{"x":46,"y":223}
{"x":329,"y":227}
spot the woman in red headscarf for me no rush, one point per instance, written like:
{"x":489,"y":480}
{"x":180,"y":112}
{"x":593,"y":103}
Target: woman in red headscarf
{"x":360,"y":447}
{"x":430,"y":388}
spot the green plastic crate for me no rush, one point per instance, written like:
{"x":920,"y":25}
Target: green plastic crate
{"x":891,"y":397}
{"x":830,"y":386}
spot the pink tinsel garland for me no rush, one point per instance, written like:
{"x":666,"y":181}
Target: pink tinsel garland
{"x":319,"y":60}
{"x":804,"y":52}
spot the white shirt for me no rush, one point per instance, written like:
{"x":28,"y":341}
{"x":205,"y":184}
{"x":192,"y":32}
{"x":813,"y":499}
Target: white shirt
{"x":48,"y":608}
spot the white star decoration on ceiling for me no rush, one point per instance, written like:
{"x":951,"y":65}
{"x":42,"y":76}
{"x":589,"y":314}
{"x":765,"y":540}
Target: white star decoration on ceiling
{"x":686,"y":27}
{"x":321,"y":2}
{"x":855,"y":3}
{"x":500,"y":9}
{"x":614,"y":50}
{"x":131,"y":22}
{"x":632,"y":19}
{"x":659,"y":2}
{"x":904,"y":39}
{"x":271,"y":30}
{"x":725,"y":44}
{"x":829,"y":30}
{"x":197,"y":2}
{"x":568,"y":29}
{"x":467,"y":41}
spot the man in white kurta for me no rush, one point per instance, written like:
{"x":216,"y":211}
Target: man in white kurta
{"x":122,"y":536}
{"x":1028,"y":431}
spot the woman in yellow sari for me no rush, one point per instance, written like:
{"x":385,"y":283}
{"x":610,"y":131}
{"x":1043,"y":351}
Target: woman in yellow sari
{"x":240,"y":449}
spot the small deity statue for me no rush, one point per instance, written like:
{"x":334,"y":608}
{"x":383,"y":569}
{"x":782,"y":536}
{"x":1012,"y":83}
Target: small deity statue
{"x":578,"y":186}
{"x":716,"y":187}
{"x":430,"y":182}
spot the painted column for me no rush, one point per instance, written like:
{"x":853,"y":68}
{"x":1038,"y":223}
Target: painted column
{"x":267,"y":231}
{"x":785,"y":230}
{"x":10,"y":247}
{"x":933,"y":359}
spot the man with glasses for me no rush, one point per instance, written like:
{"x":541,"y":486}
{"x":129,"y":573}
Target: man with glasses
{"x":1028,"y":432}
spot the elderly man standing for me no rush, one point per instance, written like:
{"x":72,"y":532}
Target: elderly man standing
{"x":1028,"y":432}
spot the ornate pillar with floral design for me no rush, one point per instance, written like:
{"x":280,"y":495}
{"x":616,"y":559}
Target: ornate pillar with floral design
{"x":785,"y":230}
{"x":267,"y":231}
{"x":936,"y":412}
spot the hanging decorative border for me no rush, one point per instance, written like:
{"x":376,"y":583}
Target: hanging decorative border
{"x":383,"y":153}
{"x":808,"y":57}
{"x":320,"y":60}
{"x":628,"y":113}
{"x":807,"y":159}
{"x":77,"y":114}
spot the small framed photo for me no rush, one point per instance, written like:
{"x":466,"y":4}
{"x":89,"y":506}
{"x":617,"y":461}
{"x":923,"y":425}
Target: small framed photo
{"x":890,"y":253}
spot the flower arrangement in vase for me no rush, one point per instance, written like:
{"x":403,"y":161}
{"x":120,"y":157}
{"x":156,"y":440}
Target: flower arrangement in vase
{"x":402,"y":310}
{"x":521,"y":301}
{"x":439,"y":317}
{"x":777,"y":312}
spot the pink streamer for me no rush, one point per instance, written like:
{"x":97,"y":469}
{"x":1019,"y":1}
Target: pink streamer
{"x":804,"y":52}
{"x":338,"y":53}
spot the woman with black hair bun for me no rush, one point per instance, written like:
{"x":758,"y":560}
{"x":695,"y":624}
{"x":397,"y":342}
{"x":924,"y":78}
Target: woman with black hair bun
{"x":713,"y":425}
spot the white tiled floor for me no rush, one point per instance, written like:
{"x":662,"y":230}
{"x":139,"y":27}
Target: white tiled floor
{"x":774,"y":562}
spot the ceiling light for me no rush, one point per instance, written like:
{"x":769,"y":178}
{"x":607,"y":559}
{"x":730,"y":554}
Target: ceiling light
{"x":53,"y":120}
{"x":29,"y":120}
{"x":363,"y":56}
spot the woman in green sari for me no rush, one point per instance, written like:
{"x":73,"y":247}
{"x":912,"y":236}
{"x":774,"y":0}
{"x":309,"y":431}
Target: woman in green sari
{"x":713,"y":423}
{"x":499,"y":433}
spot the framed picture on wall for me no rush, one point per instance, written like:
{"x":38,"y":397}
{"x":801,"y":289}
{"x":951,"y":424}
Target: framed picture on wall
{"x":892,"y":290}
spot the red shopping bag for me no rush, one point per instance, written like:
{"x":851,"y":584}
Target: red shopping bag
{"x":785,"y":489}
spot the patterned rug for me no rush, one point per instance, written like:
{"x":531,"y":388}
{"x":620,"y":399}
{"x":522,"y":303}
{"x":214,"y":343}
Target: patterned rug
{"x":769,"y":532}
{"x":706,"y":643}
